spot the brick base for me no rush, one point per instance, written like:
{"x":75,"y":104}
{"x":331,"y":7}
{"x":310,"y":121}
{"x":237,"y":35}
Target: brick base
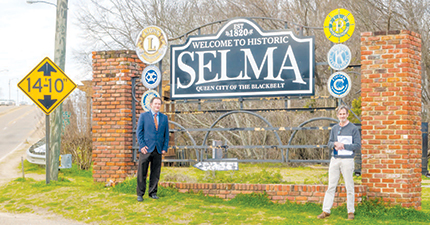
{"x":279,"y":193}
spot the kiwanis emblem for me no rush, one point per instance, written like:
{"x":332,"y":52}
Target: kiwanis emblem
{"x":151,"y":77}
{"x":151,"y":44}
{"x":339,"y":57}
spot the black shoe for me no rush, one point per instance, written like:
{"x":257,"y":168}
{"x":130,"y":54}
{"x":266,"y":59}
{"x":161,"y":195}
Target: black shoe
{"x":139,"y":198}
{"x":154,"y":196}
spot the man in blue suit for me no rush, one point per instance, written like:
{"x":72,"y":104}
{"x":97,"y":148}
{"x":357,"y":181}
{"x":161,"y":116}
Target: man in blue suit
{"x":153,"y":138}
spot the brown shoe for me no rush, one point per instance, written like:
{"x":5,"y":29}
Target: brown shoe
{"x":350,"y":216}
{"x":323,"y":215}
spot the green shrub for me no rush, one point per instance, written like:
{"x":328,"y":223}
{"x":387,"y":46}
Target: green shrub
{"x":356,"y":108}
{"x":262,"y":177}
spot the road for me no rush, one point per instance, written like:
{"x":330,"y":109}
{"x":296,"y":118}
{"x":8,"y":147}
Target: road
{"x":18,"y":131}
{"x":16,"y":124}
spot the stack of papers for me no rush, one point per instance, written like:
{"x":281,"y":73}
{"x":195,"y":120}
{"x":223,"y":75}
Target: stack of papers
{"x":345,"y":140}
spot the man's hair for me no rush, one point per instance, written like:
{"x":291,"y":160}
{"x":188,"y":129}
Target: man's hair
{"x":152,"y":100}
{"x":342,"y":107}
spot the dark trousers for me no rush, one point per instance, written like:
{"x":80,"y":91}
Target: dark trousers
{"x":142,"y":171}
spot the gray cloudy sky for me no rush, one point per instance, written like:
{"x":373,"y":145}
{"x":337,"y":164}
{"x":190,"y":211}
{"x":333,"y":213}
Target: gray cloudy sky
{"x":27,"y":34}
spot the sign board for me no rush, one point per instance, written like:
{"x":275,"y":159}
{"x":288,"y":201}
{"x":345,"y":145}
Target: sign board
{"x":218,"y":166}
{"x":242,"y":60}
{"x":151,"y":44}
{"x":47,"y":85}
{"x":339,"y":25}
{"x":151,"y":77}
{"x":65,"y":161}
{"x":339,"y":84}
{"x":339,"y":57}
{"x":146,"y":99}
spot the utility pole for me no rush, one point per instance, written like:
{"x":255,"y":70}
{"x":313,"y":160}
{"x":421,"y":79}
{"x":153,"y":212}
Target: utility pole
{"x":9,"y":88}
{"x":54,"y":120}
{"x":57,"y":114}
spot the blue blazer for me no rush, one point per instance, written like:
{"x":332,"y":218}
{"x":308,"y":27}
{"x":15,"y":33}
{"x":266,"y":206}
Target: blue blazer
{"x":147,"y":135}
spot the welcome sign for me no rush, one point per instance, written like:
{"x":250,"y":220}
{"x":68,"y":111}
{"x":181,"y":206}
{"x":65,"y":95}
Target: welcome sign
{"x":242,"y":60}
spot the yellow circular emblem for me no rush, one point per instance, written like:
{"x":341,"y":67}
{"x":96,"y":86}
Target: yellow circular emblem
{"x":339,"y":25}
{"x":151,"y":44}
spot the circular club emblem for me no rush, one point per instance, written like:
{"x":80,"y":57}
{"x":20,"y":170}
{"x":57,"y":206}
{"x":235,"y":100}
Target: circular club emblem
{"x":151,"y":77}
{"x":146,"y":99}
{"x":339,"y":25}
{"x":151,"y":44}
{"x":339,"y":57}
{"x":339,"y":84}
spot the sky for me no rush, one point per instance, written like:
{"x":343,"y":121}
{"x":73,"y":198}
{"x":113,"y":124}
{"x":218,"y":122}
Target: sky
{"x":27,"y":36}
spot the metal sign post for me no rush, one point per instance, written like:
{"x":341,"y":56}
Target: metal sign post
{"x":160,"y":87}
{"x":47,"y":153}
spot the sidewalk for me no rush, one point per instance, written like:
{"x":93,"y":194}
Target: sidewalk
{"x":9,"y":171}
{"x":34,"y":219}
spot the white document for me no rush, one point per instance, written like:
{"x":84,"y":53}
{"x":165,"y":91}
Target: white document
{"x":344,"y":140}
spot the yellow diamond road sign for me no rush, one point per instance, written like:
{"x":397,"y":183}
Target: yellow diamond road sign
{"x":47,"y":85}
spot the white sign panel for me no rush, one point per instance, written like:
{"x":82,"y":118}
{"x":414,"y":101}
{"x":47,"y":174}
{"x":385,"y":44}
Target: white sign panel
{"x":218,"y":166}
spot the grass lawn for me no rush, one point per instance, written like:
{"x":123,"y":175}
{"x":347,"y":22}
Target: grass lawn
{"x":75,"y":196}
{"x":262,"y":173}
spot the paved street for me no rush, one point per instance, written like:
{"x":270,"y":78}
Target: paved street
{"x":16,"y":124}
{"x":19,"y":129}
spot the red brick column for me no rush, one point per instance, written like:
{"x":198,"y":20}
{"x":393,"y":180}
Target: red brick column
{"x":391,"y":116}
{"x":111,"y":114}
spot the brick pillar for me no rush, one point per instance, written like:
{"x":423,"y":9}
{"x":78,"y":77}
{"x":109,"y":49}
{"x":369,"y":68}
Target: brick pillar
{"x":111,"y":114}
{"x":391,"y":116}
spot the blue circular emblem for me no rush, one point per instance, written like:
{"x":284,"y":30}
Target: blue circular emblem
{"x":151,"y":77}
{"x":339,"y":57}
{"x":339,"y":84}
{"x":146,"y":99}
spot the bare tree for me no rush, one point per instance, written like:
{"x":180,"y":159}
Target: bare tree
{"x":413,"y":15}
{"x":114,"y":24}
{"x":76,"y":138}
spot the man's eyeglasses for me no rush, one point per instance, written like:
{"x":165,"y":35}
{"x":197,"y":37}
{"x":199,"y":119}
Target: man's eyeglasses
{"x":338,"y":132}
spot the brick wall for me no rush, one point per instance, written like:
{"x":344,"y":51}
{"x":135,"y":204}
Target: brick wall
{"x":277,"y":192}
{"x":391,"y":116}
{"x":111,"y":114}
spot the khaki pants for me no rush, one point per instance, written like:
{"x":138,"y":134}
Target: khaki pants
{"x":338,"y":165}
